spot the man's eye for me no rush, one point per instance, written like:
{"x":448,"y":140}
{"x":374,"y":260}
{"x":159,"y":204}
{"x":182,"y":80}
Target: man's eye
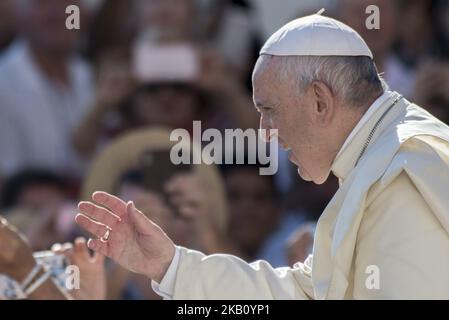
{"x":264,"y":109}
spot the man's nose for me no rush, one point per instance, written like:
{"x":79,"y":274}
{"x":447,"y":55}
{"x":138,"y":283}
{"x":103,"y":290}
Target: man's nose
{"x":266,"y":130}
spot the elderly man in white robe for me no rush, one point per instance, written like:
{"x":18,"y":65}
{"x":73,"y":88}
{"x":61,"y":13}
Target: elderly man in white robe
{"x":384,"y":235}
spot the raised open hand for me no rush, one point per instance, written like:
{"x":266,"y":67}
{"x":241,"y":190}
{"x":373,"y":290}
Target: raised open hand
{"x":126,"y":235}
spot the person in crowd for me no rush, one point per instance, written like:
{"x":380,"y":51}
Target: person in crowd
{"x":208,"y":28}
{"x":33,"y":189}
{"x":92,"y":271}
{"x":300,"y":244}
{"x":162,"y":98}
{"x":45,"y":91}
{"x":256,"y":216}
{"x":17,"y":261}
{"x":17,"y":264}
{"x":38,"y":204}
{"x":230,"y":28}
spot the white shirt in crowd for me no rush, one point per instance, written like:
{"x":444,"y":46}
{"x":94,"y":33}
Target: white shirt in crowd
{"x":37,"y":116}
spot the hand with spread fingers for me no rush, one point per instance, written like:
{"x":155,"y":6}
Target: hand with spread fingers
{"x":126,"y":235}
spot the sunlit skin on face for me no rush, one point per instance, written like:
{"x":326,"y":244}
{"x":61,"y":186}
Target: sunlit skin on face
{"x":312,"y":125}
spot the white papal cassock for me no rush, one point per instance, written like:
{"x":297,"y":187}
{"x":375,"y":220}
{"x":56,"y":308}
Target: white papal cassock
{"x":391,"y":212}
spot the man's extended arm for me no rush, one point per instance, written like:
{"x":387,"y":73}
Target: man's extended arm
{"x":193,"y":275}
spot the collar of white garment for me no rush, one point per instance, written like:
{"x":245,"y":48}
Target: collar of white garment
{"x":363,"y":121}
{"x":376,"y":104}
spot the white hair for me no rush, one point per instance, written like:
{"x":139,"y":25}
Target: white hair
{"x":354,"y":79}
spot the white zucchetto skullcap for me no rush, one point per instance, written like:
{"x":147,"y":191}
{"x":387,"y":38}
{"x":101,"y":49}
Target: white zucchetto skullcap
{"x":316,"y":35}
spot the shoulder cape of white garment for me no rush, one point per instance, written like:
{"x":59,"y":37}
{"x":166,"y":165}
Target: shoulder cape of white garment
{"x":383,"y":162}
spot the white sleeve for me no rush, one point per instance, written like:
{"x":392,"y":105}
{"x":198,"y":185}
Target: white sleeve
{"x":166,"y":288}
{"x":222,"y":276}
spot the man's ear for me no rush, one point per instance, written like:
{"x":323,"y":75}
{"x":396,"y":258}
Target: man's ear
{"x":324,"y":103}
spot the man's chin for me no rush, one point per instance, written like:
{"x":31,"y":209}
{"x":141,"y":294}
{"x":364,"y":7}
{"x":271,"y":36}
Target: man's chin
{"x":304,"y":176}
{"x":301,"y":172}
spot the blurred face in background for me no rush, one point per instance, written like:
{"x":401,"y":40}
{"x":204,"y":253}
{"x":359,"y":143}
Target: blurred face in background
{"x":252,"y":206}
{"x":172,"y":19}
{"x":174,"y":106}
{"x":40,"y":196}
{"x":44,"y":24}
{"x":178,"y":229}
{"x":352,"y":12}
{"x":142,"y":198}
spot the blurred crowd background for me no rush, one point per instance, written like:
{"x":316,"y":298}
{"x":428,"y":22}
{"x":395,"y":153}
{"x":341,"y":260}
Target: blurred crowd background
{"x":138,"y":66}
